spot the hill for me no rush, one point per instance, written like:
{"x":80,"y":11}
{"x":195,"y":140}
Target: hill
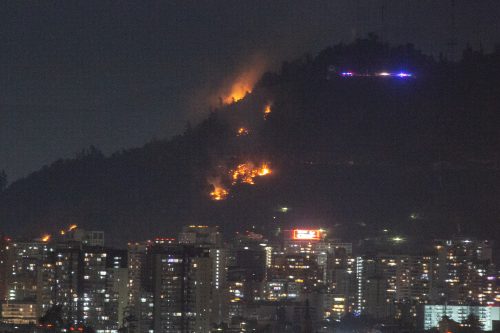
{"x":359,"y":153}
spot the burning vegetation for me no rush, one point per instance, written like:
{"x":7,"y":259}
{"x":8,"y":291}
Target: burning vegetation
{"x":242,"y":131}
{"x":219,"y":193}
{"x":244,"y":82}
{"x":246,"y":172}
{"x":267,"y":110}
{"x":238,"y":91}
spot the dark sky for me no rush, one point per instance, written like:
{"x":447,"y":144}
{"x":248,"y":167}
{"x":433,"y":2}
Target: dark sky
{"x":115,"y":74}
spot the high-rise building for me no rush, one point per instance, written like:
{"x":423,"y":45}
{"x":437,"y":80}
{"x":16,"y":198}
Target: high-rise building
{"x":89,"y":283}
{"x":181,"y":277}
{"x":23,"y":275}
{"x":463,"y":268}
{"x":210,"y":238}
{"x":139,"y":314}
{"x":392,"y":286}
{"x":4,"y":247}
{"x":433,"y":314}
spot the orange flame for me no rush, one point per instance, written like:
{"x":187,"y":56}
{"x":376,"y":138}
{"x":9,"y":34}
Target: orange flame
{"x":72,"y":227}
{"x":219,"y":193}
{"x":267,"y":110}
{"x":244,"y":82}
{"x":45,"y":238}
{"x":238,"y":91}
{"x":242,"y":131}
{"x":264,"y":170}
{"x":246,"y":172}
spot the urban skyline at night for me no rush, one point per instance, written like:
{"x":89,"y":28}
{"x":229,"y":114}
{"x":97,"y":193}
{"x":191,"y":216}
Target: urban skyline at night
{"x":250,"y":166}
{"x":297,"y":279}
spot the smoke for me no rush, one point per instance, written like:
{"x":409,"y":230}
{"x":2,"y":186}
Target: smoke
{"x":242,"y":82}
{"x":232,"y":85}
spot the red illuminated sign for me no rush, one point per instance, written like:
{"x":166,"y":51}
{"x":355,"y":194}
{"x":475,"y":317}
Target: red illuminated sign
{"x":306,"y":234}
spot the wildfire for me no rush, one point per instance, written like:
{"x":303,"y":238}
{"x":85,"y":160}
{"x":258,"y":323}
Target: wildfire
{"x":243,"y":82}
{"x":246,"y":172}
{"x":45,"y":238}
{"x":72,"y":227}
{"x":238,"y":91}
{"x":264,"y":170}
{"x":267,"y":110}
{"x":219,"y":193}
{"x":242,"y":131}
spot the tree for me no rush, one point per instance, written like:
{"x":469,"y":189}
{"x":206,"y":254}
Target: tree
{"x":52,"y":317}
{"x":471,"y":324}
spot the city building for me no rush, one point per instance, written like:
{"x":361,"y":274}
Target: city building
{"x":433,"y":314}
{"x":181,"y":277}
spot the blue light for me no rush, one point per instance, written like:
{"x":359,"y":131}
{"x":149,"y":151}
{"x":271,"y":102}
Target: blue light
{"x":346,"y":74}
{"x":403,"y":74}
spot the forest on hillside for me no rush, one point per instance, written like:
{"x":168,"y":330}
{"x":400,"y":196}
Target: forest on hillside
{"x":355,"y":154}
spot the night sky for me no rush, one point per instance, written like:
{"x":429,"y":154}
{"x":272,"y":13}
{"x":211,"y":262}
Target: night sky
{"x":115,"y":74}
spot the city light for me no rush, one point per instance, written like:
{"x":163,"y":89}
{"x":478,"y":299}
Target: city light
{"x":307,"y":234}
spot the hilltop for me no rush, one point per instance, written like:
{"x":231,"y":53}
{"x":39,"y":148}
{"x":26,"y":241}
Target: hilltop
{"x":355,"y":154}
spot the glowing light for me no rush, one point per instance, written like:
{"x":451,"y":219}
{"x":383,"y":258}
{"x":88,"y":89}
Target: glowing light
{"x":45,"y":238}
{"x":219,"y":193}
{"x":238,"y":92}
{"x":267,"y":110}
{"x":264,"y":170}
{"x":403,"y":74}
{"x":242,"y":131}
{"x":72,"y":227}
{"x":346,"y":74}
{"x":384,"y":74}
{"x":398,"y":239}
{"x":242,"y":83}
{"x":246,"y":172}
{"x":306,"y":234}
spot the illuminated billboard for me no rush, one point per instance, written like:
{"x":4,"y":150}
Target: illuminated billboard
{"x":306,"y":234}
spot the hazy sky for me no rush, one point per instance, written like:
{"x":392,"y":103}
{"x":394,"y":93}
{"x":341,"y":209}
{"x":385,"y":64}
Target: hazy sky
{"x":115,"y":74}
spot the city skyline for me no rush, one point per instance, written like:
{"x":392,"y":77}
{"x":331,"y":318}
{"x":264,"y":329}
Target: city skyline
{"x":201,"y":281}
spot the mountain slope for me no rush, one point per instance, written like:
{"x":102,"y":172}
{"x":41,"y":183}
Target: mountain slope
{"x":353,"y":153}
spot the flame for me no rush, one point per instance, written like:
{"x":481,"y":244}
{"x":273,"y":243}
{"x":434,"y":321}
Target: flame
{"x":72,"y":227}
{"x":45,"y":238}
{"x":244,"y":81}
{"x":264,"y":170}
{"x":62,"y":232}
{"x":242,"y":131}
{"x":267,"y":110}
{"x":238,"y":91}
{"x":219,"y":193}
{"x":246,"y":172}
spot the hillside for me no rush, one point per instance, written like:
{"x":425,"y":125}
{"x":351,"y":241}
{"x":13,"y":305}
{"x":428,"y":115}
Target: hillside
{"x":355,"y":154}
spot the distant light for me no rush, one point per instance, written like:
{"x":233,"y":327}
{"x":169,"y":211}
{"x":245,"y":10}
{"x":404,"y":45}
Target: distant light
{"x":346,"y":74}
{"x":284,"y":209}
{"x":403,"y":74}
{"x":307,"y":234}
{"x":398,"y":239}
{"x":384,"y":74}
